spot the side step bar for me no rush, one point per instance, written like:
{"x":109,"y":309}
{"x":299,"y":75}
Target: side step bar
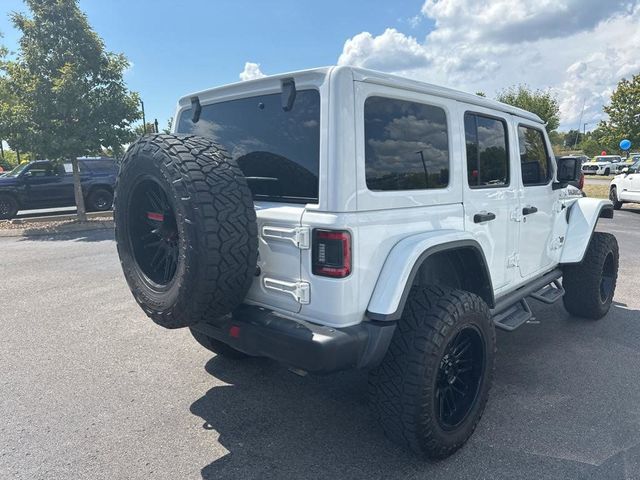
{"x":512,"y":310}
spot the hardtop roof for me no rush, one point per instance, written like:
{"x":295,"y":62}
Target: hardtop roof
{"x":372,"y":76}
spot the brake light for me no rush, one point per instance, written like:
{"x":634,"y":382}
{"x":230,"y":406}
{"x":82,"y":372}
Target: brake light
{"x":331,"y":253}
{"x":581,"y":181}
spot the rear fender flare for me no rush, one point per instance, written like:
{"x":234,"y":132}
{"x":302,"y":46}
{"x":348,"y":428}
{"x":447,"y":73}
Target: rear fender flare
{"x":403,"y":263}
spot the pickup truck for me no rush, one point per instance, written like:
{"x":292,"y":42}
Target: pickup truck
{"x":49,"y":184}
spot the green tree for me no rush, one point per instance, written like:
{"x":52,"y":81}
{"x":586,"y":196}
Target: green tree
{"x":169,"y":126}
{"x":540,"y":102}
{"x":624,"y":115}
{"x":73,"y":90}
{"x":573,"y":137}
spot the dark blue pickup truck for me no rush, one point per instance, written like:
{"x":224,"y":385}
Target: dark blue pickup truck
{"x":49,"y":184}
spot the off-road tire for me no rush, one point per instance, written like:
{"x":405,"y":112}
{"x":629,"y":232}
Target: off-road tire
{"x":99,"y":200}
{"x":403,"y":388}
{"x":613,"y":196}
{"x":215,"y":228}
{"x":216,"y":346}
{"x":583,"y":281}
{"x":8,"y":207}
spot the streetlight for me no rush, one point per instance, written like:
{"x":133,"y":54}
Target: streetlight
{"x":144,"y":121}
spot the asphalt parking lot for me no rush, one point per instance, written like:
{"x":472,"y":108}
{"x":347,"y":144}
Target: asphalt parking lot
{"x":89,"y":388}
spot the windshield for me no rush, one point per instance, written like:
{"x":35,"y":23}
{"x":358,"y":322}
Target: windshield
{"x":16,"y":171}
{"x":277,"y":151}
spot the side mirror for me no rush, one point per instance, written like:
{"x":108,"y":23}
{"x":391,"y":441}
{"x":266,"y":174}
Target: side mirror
{"x":569,"y":170}
{"x":625,"y":170}
{"x":27,"y":174}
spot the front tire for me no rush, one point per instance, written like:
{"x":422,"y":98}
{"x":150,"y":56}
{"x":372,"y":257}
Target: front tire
{"x":431,"y":389}
{"x":607,"y":172}
{"x":613,"y":196}
{"x":590,"y":285}
{"x":8,"y":207}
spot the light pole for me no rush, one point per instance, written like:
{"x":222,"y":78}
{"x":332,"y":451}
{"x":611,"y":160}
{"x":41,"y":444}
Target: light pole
{"x":144,"y":121}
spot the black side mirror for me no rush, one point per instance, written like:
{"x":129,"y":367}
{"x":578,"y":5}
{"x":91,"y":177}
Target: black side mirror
{"x":569,"y":170}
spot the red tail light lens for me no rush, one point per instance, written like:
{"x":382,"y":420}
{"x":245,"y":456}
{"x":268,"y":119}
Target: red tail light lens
{"x":581,"y":181}
{"x":331,"y":253}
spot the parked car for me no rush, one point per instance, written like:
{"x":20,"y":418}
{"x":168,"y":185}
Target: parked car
{"x":49,"y":184}
{"x":342,"y":218}
{"x":603,"y":165}
{"x":625,"y":187}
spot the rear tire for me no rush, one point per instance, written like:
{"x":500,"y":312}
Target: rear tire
{"x":444,"y":344}
{"x":613,"y":196}
{"x":185,"y":228}
{"x":590,"y":285}
{"x":100,"y":200}
{"x":217,"y":347}
{"x":8,"y":207}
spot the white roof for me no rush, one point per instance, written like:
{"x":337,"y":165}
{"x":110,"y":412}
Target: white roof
{"x":380,"y":78}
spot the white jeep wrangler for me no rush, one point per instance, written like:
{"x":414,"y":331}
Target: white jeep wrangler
{"x":341,"y":218}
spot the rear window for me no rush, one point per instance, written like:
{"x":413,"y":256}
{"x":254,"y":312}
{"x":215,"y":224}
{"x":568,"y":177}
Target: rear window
{"x":277,"y":151}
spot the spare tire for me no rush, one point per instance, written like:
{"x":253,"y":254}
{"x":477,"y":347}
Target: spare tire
{"x":185,"y":229}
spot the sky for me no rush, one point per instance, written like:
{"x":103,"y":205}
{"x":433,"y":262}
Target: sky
{"x":579,"y":49}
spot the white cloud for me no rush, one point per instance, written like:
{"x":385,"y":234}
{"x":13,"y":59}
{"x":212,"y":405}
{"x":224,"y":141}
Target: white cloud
{"x":579,"y":49}
{"x":390,"y":51}
{"x":251,"y":71}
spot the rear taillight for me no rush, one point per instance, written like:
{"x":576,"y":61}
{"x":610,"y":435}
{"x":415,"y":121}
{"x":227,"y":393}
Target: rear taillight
{"x":581,"y":181}
{"x":331,"y":253}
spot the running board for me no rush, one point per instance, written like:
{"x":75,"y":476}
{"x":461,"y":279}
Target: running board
{"x":514,"y":316}
{"x":512,"y":310}
{"x":550,"y":293}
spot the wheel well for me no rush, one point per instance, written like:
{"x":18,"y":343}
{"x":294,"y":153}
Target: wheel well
{"x":12,"y":195}
{"x":461,"y":268}
{"x":93,"y":188}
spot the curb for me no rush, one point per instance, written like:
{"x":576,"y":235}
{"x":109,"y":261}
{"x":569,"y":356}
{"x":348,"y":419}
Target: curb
{"x":30,"y":232}
{"x":108,"y":216}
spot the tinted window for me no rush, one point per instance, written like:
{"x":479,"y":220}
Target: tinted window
{"x":99,"y":166}
{"x":277,"y":151}
{"x":406,"y":145}
{"x":41,"y":169}
{"x":534,"y":160}
{"x":487,"y":160}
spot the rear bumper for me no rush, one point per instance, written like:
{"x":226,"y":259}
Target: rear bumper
{"x":300,"y":344}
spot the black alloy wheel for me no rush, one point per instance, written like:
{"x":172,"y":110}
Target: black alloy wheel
{"x":459,"y":377}
{"x":154,"y":232}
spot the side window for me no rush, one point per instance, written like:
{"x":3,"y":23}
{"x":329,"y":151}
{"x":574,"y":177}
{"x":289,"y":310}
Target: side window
{"x":406,"y":145}
{"x":487,"y":158}
{"x":534,"y":158}
{"x":41,"y":169}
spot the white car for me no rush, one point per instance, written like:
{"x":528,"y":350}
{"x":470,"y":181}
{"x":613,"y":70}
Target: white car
{"x":342,"y":218}
{"x":625,"y":188}
{"x":603,"y":165}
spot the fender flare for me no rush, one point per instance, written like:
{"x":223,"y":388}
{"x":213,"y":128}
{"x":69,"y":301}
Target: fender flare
{"x":403,"y":263}
{"x":582,"y":217}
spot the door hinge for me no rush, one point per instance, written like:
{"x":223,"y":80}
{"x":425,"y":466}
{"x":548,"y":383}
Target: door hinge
{"x":557,"y":243}
{"x":299,"y":236}
{"x":516,"y":215}
{"x":300,"y":291}
{"x":513,"y":260}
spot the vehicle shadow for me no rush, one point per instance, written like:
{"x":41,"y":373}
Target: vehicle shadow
{"x":81,"y":235}
{"x":550,"y":413}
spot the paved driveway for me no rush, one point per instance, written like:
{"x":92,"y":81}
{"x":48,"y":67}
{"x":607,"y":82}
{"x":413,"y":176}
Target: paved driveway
{"x":89,"y":388}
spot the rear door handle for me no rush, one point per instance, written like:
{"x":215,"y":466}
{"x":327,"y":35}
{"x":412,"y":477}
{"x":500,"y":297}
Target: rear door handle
{"x":484,"y":217}
{"x":529,"y":210}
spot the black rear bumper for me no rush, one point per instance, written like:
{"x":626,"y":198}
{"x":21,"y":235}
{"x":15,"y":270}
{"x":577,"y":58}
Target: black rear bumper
{"x":300,"y":344}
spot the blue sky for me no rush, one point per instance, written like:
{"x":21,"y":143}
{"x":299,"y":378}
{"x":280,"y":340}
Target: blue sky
{"x":577,"y":49}
{"x":180,"y":47}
